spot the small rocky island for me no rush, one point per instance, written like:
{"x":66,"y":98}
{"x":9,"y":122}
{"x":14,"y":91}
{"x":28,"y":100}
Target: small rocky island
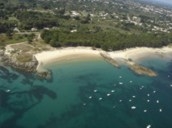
{"x":141,"y":70}
{"x":138,"y":69}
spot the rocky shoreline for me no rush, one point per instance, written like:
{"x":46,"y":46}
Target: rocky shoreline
{"x":11,"y":60}
{"x":28,"y":66}
{"x":107,"y":58}
{"x":141,"y":70}
{"x":136,"y":68}
{"x":25,"y":60}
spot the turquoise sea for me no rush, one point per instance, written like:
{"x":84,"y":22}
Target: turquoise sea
{"x":87,"y":94}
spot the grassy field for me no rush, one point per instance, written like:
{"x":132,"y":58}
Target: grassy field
{"x":16,"y":38}
{"x":25,"y":57}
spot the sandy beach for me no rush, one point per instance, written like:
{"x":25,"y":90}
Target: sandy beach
{"x":140,"y":53}
{"x":80,"y":52}
{"x":64,"y":54}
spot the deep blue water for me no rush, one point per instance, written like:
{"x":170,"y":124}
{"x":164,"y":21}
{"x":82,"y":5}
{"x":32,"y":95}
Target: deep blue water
{"x":87,"y":94}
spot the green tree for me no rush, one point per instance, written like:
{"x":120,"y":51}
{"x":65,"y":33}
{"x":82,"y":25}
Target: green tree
{"x":30,"y":38}
{"x":9,"y":33}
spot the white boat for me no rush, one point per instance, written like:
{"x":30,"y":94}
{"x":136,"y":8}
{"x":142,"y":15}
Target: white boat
{"x":145,"y":110}
{"x":134,"y":96}
{"x":149,"y":126}
{"x":95,"y":90}
{"x":131,"y":81}
{"x":112,"y":91}
{"x":100,"y":98}
{"x":120,"y":100}
{"x":133,"y":107}
{"x":157,"y":101}
{"x":120,"y":83}
{"x":8,"y":90}
{"x":160,"y":110}
{"x":108,"y":94}
{"x":129,"y":100}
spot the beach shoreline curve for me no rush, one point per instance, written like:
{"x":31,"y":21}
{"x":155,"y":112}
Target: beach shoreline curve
{"x":113,"y":57}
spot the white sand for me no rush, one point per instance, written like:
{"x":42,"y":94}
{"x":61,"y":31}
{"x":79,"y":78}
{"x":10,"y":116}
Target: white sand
{"x":71,"y":52}
{"x":65,"y":53}
{"x":140,"y":52}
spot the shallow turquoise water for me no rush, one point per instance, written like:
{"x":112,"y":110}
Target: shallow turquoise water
{"x":87,"y":94}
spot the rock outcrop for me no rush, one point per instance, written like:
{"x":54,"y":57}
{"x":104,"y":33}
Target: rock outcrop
{"x":1,"y":55}
{"x":46,"y":74}
{"x":11,"y":60}
{"x":141,"y":70}
{"x":29,"y":66}
{"x":136,"y":68}
{"x":110,"y":60}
